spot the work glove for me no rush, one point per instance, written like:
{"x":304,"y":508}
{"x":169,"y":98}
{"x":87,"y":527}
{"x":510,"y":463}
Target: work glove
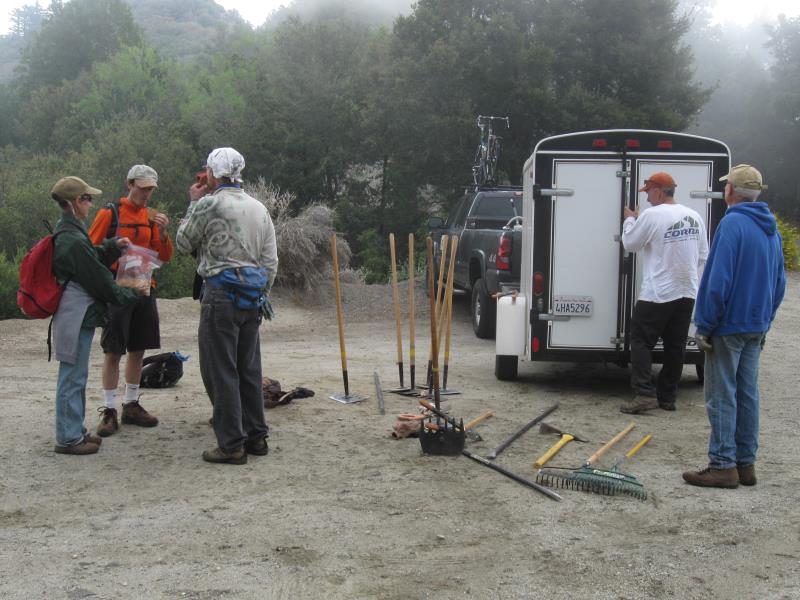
{"x":703,"y":342}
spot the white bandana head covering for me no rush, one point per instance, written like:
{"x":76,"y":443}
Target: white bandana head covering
{"x":226,"y":162}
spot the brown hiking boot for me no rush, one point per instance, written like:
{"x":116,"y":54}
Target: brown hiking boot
{"x":638,"y":405}
{"x":82,"y":447}
{"x":257,"y":447}
{"x":134,"y":413}
{"x":747,"y":474}
{"x":710,"y":477}
{"x":108,"y":421}
{"x":218,"y":455}
{"x":93,"y":439}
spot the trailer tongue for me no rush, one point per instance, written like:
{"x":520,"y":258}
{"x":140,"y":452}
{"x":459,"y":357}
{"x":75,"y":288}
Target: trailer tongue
{"x":578,"y":285}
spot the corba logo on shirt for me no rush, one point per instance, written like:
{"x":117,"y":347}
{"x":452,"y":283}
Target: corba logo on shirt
{"x":683,"y":229}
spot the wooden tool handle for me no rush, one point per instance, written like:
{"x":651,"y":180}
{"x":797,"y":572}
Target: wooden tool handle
{"x":339,"y":312}
{"x":411,"y":317}
{"x":637,"y":447}
{"x":478,"y":419}
{"x":396,"y":299}
{"x":596,"y":456}
{"x":434,"y":345}
{"x":541,"y":461}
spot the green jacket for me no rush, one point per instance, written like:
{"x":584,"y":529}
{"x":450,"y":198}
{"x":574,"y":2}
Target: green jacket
{"x":76,"y":259}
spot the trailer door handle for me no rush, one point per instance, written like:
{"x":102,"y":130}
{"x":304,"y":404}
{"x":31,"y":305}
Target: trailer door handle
{"x":709,"y":195}
{"x":546,"y":317}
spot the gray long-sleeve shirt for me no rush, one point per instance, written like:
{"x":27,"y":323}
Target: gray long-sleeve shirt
{"x":229,"y":229}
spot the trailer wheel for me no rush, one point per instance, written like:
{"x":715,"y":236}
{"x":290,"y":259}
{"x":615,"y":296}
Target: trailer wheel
{"x":701,"y":372}
{"x":505,"y":367}
{"x":483,"y":311}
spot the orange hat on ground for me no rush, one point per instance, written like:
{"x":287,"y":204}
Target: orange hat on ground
{"x":658,"y":180}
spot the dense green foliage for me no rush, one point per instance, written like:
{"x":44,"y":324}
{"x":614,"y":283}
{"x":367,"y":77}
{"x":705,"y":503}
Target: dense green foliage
{"x":377,"y":122}
{"x":790,"y":236}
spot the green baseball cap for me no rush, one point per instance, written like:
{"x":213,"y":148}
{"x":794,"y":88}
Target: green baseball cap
{"x":744,"y":176}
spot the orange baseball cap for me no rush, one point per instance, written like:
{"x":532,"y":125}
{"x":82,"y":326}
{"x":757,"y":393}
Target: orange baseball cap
{"x":658,"y":180}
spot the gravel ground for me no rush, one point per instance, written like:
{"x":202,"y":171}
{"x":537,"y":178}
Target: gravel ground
{"x":340,"y":510}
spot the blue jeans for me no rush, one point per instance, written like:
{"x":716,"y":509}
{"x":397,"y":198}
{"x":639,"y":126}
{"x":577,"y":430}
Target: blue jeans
{"x":71,"y":394}
{"x":731,"y":392}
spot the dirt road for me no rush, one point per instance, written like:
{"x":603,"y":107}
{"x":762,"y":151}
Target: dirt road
{"x":339,"y":510}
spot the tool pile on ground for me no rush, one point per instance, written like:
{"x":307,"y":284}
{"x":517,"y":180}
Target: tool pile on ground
{"x":441,"y":434}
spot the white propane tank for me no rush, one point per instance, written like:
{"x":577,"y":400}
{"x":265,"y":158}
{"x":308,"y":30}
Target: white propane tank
{"x":510,"y":335}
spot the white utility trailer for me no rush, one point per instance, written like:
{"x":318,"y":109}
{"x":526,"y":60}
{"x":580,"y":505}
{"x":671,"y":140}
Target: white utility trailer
{"x":578,"y":285}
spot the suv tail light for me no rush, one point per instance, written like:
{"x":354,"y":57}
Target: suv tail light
{"x":503,"y":260}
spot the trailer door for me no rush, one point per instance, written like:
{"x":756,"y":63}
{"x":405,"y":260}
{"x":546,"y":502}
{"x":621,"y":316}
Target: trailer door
{"x":691,"y":176}
{"x":585,"y":256}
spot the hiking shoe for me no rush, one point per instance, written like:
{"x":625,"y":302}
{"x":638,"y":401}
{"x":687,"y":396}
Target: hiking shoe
{"x":638,"y":405}
{"x":93,"y":439}
{"x":82,"y":447}
{"x":666,"y":406}
{"x":218,"y":455}
{"x":134,"y":413}
{"x":108,"y":421}
{"x":747,"y":474}
{"x":710,"y":477}
{"x":258,"y":447}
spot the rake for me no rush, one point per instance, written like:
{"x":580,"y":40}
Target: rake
{"x":611,"y":482}
{"x":579,"y":479}
{"x":614,"y":482}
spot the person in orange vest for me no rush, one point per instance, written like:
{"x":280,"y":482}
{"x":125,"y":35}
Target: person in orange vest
{"x":131,"y":329}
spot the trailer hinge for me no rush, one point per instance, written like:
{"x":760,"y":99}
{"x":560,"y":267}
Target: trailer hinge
{"x":624,"y":174}
{"x":617,"y":340}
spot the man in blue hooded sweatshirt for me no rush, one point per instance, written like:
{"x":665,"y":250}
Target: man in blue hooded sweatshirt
{"x":742,"y":286}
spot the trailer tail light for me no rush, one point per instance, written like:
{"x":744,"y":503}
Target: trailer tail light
{"x":599,"y":143}
{"x":535,"y":345}
{"x":632,"y":144}
{"x":665,"y":144}
{"x":538,"y":284}
{"x":503,"y":260}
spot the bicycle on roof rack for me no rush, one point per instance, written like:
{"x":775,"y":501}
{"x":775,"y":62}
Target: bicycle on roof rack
{"x":484,"y":168}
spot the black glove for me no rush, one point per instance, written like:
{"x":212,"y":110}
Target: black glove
{"x":703,"y":342}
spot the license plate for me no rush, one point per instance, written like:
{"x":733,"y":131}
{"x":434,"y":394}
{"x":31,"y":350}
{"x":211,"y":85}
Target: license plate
{"x":573,"y":306}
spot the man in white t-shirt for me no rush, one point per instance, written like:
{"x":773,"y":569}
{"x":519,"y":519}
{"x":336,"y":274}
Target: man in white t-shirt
{"x":671,"y":241}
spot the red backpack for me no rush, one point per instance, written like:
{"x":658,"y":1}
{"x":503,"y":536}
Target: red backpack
{"x":39,"y":292}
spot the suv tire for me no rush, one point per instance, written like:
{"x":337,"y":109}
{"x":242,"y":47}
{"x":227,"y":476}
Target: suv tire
{"x":483,"y":311}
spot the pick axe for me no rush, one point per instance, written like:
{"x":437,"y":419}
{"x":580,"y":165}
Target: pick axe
{"x":565,"y":438}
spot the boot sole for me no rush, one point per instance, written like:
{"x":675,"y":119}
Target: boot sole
{"x":724,"y":486}
{"x":138,"y":423}
{"x":228,"y":461}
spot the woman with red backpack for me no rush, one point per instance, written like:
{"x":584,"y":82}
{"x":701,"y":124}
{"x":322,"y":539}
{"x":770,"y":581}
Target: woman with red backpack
{"x":88,"y":286}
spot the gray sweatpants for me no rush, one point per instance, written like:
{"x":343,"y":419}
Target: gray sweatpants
{"x":230,"y":364}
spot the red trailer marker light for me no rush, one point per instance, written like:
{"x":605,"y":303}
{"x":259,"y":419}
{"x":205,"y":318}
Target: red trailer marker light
{"x":535,"y":345}
{"x":599,"y":143}
{"x":665,"y":144}
{"x":538,"y":284}
{"x":632,"y":144}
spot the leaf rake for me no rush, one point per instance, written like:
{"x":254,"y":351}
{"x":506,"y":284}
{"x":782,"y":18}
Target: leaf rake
{"x":597,"y":481}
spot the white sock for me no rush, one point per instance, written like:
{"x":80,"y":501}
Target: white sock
{"x":131,"y":392}
{"x":110,"y":398}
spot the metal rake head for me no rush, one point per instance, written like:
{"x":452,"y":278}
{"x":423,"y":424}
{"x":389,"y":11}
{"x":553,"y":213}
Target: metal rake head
{"x":594,"y":481}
